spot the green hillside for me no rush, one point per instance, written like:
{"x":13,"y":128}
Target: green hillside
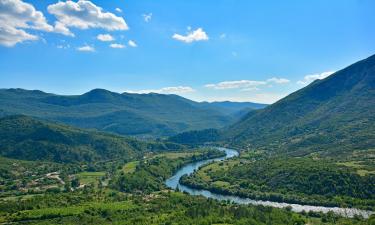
{"x":333,"y":115}
{"x":127,"y":114}
{"x":22,"y":137}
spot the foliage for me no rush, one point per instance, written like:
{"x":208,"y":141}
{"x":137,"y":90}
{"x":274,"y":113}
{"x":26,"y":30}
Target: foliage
{"x":294,"y":180}
{"x":197,"y":137}
{"x":143,"y":115}
{"x":332,"y":116}
{"x":150,"y":174}
{"x":103,"y":207}
{"x":22,"y":137}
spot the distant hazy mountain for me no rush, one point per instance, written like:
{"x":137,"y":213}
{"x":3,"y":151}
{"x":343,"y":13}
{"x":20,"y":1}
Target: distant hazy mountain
{"x":23,"y":137}
{"x":332,"y":115}
{"x":128,"y":114}
{"x":234,"y":108}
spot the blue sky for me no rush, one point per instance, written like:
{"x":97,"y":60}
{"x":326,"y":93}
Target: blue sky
{"x":205,"y":50}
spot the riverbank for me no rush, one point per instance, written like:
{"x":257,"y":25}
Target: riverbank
{"x":174,"y":182}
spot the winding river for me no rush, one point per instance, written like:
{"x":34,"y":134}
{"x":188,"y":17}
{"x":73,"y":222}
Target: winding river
{"x":174,"y":183}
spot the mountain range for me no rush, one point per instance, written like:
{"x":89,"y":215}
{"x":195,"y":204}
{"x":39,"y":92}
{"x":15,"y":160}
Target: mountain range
{"x":144,"y":115}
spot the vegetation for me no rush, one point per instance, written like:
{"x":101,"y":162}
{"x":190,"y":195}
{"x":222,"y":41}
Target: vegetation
{"x":22,"y":137}
{"x":294,"y":180}
{"x":90,"y":206}
{"x":144,"y":115}
{"x":22,"y":178}
{"x":333,"y":116}
{"x":150,"y":174}
{"x":197,"y":137}
{"x":100,"y":204}
{"x":316,"y":146}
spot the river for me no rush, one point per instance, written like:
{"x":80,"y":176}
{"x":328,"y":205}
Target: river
{"x":174,"y":182}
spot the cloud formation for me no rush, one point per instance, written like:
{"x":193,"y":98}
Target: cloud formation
{"x":310,"y":78}
{"x":166,"y":90}
{"x":196,"y":35}
{"x":278,"y":80}
{"x":15,"y":17}
{"x":235,"y":84}
{"x":105,"y":37}
{"x":116,"y":45}
{"x":132,"y":43}
{"x":246,"y":85}
{"x":147,"y":17}
{"x":84,"y":15}
{"x":86,"y":48}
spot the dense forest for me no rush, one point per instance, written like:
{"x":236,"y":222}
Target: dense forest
{"x":333,"y":116}
{"x":23,"y":137}
{"x":294,"y":180}
{"x":143,"y":115}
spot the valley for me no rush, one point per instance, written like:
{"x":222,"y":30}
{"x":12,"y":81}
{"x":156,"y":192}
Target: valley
{"x":189,"y":112}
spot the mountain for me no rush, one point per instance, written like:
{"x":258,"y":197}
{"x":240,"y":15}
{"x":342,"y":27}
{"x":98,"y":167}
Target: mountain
{"x":22,"y":137}
{"x":232,"y":108}
{"x":128,"y":114}
{"x":331,"y":116}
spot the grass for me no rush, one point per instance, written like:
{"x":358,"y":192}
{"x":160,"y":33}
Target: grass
{"x":130,"y":167}
{"x":358,"y":166}
{"x":364,"y":172}
{"x":19,"y":197}
{"x":176,"y":155}
{"x":71,"y":210}
{"x":217,"y":166}
{"x":221,"y":184}
{"x":89,"y":177}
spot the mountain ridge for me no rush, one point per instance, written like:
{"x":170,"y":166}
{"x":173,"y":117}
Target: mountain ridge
{"x":145,"y":115}
{"x":337,"y":110}
{"x":26,"y":138}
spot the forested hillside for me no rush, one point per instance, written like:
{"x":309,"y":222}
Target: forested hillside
{"x":23,"y":137}
{"x":333,"y":115}
{"x":149,"y":115}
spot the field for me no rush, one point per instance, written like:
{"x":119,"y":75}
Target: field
{"x":130,"y":167}
{"x":86,"y":178}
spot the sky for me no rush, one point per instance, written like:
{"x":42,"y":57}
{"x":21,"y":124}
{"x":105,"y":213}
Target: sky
{"x":214,"y":50}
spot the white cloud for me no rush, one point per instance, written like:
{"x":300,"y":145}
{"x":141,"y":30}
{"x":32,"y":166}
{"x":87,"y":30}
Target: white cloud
{"x":310,"y":78}
{"x":246,"y":85}
{"x":278,"y":80}
{"x":250,"y":89}
{"x":10,"y":36}
{"x":166,"y":90}
{"x":86,"y":48}
{"x":132,"y":44}
{"x":196,"y":35}
{"x":84,"y":15}
{"x":105,"y":37}
{"x":61,"y":28}
{"x":15,"y":17}
{"x":115,"y":45}
{"x":118,"y":10}
{"x":263,"y":97}
{"x":235,"y":84}
{"x":147,"y":17}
